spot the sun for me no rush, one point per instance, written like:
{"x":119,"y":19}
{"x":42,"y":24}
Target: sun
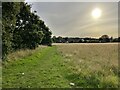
{"x":96,"y":13}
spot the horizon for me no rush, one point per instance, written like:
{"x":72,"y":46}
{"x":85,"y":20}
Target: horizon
{"x":82,"y":37}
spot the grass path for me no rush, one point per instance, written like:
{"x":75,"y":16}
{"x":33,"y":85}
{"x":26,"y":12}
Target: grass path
{"x":43,"y":69}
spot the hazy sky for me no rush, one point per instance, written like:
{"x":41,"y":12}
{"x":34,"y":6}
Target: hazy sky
{"x":74,"y":19}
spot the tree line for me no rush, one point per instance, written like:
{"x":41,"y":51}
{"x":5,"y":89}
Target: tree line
{"x":22,"y":28}
{"x":102,"y":39}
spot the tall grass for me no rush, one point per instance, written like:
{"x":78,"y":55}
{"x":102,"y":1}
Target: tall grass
{"x":22,"y":53}
{"x":97,"y":64}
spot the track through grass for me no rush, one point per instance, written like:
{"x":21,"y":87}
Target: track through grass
{"x":43,"y":69}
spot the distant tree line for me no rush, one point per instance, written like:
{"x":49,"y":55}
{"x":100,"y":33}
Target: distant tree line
{"x":102,"y":39}
{"x":22,"y":28}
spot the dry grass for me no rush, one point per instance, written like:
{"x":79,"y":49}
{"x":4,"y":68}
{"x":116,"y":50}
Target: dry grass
{"x":22,"y":53}
{"x":100,"y":60}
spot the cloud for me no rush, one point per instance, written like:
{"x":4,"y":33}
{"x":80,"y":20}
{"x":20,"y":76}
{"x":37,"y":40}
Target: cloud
{"x":74,"y":19}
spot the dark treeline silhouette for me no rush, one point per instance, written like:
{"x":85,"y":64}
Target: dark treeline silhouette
{"x":102,"y":39}
{"x":22,"y":28}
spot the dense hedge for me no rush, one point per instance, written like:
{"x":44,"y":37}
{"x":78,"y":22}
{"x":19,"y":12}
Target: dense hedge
{"x":22,"y":28}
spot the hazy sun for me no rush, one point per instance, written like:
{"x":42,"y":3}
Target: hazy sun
{"x":96,"y":13}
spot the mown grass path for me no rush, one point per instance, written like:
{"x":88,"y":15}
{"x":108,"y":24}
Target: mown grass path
{"x":43,"y":69}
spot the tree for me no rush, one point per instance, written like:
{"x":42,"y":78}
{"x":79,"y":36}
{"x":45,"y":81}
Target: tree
{"x":47,"y":40}
{"x":28,"y":33}
{"x":22,"y":28}
{"x":104,"y":38}
{"x":9,"y":12}
{"x":54,"y":39}
{"x":60,"y":39}
{"x":118,"y":39}
{"x":66,"y":39}
{"x":111,"y":39}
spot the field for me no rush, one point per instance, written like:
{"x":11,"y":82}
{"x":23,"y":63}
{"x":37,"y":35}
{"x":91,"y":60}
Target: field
{"x":63,"y":65}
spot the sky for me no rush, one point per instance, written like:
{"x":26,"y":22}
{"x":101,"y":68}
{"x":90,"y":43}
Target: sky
{"x":74,"y":19}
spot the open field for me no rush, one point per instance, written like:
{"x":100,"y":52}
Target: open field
{"x":98,"y":63}
{"x":85,"y":65}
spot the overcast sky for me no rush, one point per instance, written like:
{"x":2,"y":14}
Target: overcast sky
{"x":73,"y":19}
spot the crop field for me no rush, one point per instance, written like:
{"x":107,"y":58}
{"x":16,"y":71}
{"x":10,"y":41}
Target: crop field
{"x":63,"y":66}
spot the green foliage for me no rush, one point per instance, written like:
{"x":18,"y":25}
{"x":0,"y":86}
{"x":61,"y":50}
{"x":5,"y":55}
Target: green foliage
{"x":28,"y":33}
{"x":47,"y":36}
{"x":9,"y":12}
{"x":22,"y":28}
